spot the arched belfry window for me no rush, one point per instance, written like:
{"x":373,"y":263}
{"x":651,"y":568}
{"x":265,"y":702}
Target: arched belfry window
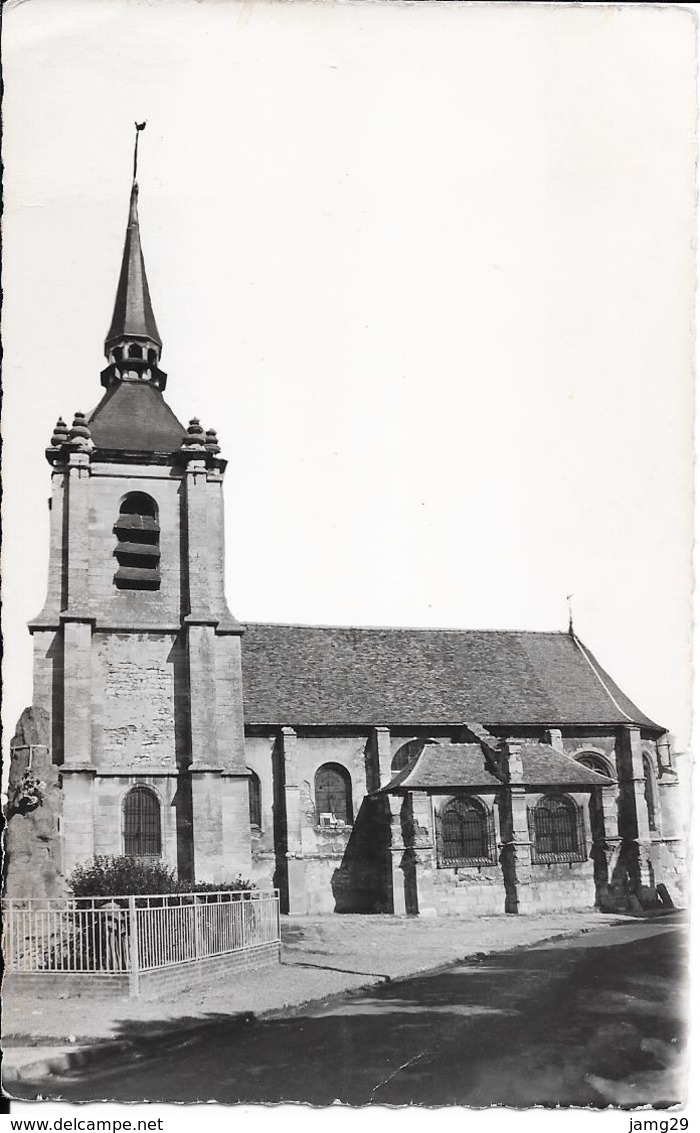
{"x":138,"y":544}
{"x":649,"y":792}
{"x":465,"y":833}
{"x":333,"y":793}
{"x":254,"y":800}
{"x":556,"y":830}
{"x":142,"y":833}
{"x":135,"y":351}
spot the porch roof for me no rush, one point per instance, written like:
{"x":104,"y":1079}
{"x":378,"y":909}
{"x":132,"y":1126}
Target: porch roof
{"x":439,"y":767}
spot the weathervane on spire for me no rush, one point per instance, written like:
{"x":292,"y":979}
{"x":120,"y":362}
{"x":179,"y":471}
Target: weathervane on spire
{"x":139,"y":127}
{"x":571,"y":613}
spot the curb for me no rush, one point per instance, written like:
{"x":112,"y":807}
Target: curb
{"x":109,"y":1050}
{"x":106,"y":1051}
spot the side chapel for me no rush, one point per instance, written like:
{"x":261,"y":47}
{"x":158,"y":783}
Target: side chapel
{"x":374,"y":770}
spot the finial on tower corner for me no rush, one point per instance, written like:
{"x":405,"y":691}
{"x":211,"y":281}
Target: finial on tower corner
{"x":139,"y":127}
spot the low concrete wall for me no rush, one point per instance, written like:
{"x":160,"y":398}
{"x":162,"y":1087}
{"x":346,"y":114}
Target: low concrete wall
{"x":151,"y":983}
{"x":202,"y":971}
{"x":53,"y":984}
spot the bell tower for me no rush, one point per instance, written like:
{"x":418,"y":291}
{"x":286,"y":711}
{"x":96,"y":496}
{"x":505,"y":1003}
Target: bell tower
{"x":137,"y":658}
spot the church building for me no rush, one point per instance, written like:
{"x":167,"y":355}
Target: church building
{"x":373,"y":770}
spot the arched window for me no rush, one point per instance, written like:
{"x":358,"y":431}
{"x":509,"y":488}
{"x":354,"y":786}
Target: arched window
{"x":465,"y":833}
{"x":649,"y":793}
{"x":254,"y":800}
{"x":135,"y":351}
{"x":596,"y":812}
{"x":138,"y":544}
{"x":596,"y":762}
{"x":118,"y":354}
{"x":152,"y":357}
{"x":333,"y":792}
{"x":142,"y":836}
{"x":401,"y":758}
{"x":556,"y":830}
{"x":404,"y":754}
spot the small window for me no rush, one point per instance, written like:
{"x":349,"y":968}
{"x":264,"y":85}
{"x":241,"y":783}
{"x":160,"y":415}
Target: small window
{"x":138,"y":544}
{"x":649,"y":794}
{"x":333,"y":790}
{"x":142,"y":834}
{"x":135,"y":351}
{"x":556,"y":830}
{"x":466,"y":833}
{"x":254,"y":800}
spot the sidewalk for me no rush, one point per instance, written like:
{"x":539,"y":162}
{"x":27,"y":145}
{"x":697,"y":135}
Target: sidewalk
{"x":322,"y":957}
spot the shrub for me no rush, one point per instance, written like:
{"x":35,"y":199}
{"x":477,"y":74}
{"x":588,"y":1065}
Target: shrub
{"x":111,"y":876}
{"x":236,"y":886}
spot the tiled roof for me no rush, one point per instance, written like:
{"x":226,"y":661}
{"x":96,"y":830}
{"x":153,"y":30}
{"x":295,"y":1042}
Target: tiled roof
{"x":454,"y":766}
{"x":445,"y":765}
{"x":333,"y":675}
{"x":134,"y":416}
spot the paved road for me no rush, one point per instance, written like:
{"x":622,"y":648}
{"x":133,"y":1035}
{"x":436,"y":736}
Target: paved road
{"x":518,"y":1028}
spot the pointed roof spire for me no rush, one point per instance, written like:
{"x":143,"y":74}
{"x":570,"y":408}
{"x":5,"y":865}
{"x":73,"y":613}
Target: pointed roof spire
{"x":133,"y":317}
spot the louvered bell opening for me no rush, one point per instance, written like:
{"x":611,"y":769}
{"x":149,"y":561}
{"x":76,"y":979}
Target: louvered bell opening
{"x":137,"y":552}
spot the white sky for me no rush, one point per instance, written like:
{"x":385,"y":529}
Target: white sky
{"x":428,"y":270}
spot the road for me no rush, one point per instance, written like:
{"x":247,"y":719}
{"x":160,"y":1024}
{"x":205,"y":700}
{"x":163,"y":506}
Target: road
{"x":518,"y":1028}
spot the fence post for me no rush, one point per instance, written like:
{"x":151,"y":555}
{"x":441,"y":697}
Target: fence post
{"x":133,"y":950}
{"x":11,"y":945}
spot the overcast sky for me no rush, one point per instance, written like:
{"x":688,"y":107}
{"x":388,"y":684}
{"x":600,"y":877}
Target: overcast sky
{"x":428,"y":269}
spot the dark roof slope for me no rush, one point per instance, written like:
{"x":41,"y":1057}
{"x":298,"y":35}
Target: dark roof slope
{"x":310,"y":675}
{"x":133,"y":311}
{"x":453,"y":766}
{"x":134,"y":416}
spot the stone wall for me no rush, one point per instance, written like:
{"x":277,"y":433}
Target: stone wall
{"x":469,"y":890}
{"x":562,"y":885}
{"x":136,"y":718}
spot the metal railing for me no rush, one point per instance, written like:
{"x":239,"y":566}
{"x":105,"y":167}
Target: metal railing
{"x":132,"y":934}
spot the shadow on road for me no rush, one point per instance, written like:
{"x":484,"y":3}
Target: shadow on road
{"x":517,"y":1029}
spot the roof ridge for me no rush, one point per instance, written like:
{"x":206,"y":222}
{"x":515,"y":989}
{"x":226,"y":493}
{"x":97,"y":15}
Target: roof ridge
{"x":409,"y":629}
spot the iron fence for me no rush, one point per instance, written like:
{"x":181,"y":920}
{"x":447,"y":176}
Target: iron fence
{"x":133,"y":934}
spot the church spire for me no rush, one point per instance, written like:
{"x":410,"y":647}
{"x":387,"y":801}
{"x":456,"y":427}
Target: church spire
{"x":133,"y":334}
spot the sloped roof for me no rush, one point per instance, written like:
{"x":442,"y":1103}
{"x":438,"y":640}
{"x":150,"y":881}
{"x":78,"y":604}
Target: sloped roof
{"x":135,"y":417}
{"x":133,"y":312}
{"x":455,"y":766}
{"x":310,"y":675}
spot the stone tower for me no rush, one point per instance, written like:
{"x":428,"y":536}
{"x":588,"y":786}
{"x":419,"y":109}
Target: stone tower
{"x":137,"y":658}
